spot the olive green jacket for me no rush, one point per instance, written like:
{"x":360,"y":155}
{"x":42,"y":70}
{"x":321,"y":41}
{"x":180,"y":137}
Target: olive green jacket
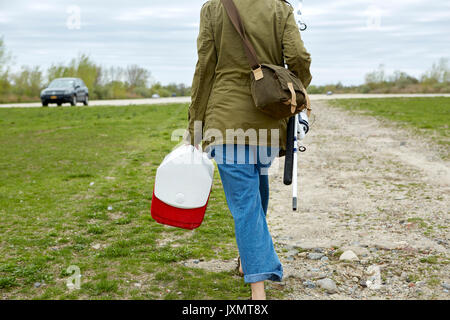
{"x":221,"y":96}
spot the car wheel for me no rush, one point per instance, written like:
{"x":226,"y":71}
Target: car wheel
{"x":86,"y":101}
{"x":74,"y":101}
{"x":59,"y":104}
{"x":44,"y":103}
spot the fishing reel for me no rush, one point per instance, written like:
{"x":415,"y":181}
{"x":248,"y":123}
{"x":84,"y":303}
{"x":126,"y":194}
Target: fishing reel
{"x":302,"y":129}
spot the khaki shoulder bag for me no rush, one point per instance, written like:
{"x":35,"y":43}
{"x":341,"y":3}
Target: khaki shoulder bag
{"x":276,"y":91}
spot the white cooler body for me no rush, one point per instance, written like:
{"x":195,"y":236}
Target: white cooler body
{"x":182,"y":188}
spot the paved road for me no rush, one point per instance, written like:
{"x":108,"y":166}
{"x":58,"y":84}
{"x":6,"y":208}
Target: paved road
{"x":127,"y":102}
{"x":93,"y":103}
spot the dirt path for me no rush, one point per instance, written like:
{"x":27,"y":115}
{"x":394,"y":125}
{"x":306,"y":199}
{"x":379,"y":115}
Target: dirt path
{"x":371,"y":188}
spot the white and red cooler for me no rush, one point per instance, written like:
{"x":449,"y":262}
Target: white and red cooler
{"x":182,"y":187}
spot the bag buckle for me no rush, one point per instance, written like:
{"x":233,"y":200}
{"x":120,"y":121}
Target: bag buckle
{"x":258,"y":73}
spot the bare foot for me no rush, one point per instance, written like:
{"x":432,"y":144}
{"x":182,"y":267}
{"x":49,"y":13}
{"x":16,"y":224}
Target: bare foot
{"x":258,"y":291}
{"x":240,"y":267}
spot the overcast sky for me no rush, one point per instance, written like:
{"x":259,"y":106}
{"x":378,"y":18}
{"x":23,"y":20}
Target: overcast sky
{"x":347,"y":38}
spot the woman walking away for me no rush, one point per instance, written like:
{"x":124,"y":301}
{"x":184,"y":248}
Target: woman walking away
{"x":223,"y":117}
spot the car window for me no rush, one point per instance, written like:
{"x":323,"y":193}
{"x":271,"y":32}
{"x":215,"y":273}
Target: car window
{"x":61,"y":84}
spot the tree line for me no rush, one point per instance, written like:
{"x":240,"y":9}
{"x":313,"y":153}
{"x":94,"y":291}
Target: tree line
{"x":128,"y":82}
{"x":134,"y":81}
{"x":435,"y":80}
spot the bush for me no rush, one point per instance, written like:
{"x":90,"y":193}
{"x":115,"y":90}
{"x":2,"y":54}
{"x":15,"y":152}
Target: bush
{"x":103,"y":83}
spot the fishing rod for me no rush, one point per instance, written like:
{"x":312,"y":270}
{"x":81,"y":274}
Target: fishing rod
{"x":297,"y":128}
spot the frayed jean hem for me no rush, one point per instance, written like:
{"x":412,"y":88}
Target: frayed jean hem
{"x":272,"y":276}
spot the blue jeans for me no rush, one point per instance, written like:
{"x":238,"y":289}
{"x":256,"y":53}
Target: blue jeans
{"x":244,"y":173}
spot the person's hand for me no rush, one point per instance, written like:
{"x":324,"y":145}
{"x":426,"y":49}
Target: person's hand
{"x":196,"y":146}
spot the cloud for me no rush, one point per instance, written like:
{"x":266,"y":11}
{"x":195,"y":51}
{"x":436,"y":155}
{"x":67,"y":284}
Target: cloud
{"x":152,"y":12}
{"x":41,"y":7}
{"x":161,"y":35}
{"x":3,"y":18}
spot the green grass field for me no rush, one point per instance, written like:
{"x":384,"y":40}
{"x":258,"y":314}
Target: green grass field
{"x":75,"y":189}
{"x":429,"y":116}
{"x":76,"y":186}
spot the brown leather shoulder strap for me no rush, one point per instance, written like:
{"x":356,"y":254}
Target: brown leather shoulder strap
{"x":235,"y":18}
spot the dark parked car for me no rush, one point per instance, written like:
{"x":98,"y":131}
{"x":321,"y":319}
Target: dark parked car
{"x":71,"y":90}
